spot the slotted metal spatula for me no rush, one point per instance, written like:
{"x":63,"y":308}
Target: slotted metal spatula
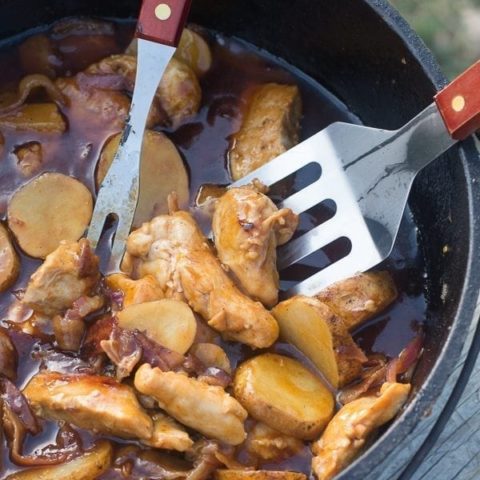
{"x":160,"y":25}
{"x":368,"y":173}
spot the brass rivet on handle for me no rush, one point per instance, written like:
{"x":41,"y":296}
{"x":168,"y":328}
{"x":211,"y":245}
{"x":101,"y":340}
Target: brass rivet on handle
{"x":458,"y":103}
{"x":163,"y":11}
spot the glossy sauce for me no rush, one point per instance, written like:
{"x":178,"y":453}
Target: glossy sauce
{"x":203,"y":141}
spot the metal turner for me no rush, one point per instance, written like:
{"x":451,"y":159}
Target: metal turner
{"x":160,"y":25}
{"x":368,"y":173}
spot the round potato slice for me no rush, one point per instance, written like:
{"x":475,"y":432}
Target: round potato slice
{"x":282,"y":393}
{"x":162,"y":172}
{"x":9,"y":262}
{"x":51,"y":208}
{"x":168,"y":322}
{"x":194,"y":51}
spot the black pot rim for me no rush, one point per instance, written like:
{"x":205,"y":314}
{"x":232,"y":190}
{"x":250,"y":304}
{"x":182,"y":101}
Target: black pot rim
{"x":444,"y":369}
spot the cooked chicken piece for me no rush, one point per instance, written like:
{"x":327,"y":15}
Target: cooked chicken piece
{"x":351,"y":427}
{"x":361,"y":297}
{"x":173,"y":249}
{"x":168,"y":434}
{"x":70,"y":328}
{"x":92,"y":109}
{"x":248,"y":227}
{"x":143,"y":290}
{"x":207,"y":409}
{"x":179,"y":93}
{"x":68,"y":273}
{"x":270,"y":127}
{"x":265,"y":443}
{"x":92,"y":402}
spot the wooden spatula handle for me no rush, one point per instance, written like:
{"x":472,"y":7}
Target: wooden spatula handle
{"x":162,"y":21}
{"x":459,"y":103}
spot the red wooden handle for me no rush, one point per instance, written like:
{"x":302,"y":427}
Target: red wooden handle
{"x":162,"y":21}
{"x":459,"y":103}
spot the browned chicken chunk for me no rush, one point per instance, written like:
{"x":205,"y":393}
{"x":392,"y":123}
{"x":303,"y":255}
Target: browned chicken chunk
{"x":265,"y":443}
{"x":361,"y":297}
{"x":168,"y":434}
{"x":206,"y":408}
{"x":248,"y":227}
{"x":68,"y":273}
{"x":173,"y":249}
{"x":94,"y":108}
{"x":270,"y":127}
{"x":179,"y":93}
{"x":351,"y":427}
{"x":92,"y":402}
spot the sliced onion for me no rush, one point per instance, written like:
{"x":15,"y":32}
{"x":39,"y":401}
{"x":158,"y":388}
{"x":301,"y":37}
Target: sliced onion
{"x":29,"y":84}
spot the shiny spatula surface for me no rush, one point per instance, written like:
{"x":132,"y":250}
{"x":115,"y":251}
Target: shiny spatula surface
{"x":159,"y":28}
{"x":368,"y":173}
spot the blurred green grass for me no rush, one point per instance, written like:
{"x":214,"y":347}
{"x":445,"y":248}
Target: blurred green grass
{"x":451,"y":28}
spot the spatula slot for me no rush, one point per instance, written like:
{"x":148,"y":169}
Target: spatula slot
{"x":314,"y":216}
{"x":315,"y":262}
{"x":295,"y":182}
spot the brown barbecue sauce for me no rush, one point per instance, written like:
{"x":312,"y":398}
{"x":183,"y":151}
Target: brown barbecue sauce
{"x":203,"y":142}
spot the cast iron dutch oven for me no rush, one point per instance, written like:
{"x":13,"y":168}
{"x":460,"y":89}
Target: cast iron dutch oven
{"x":367,"y":55}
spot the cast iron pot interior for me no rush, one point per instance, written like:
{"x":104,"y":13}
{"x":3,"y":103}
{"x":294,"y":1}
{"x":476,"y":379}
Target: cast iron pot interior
{"x":369,"y":58}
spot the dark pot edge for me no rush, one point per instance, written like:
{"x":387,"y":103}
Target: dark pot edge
{"x":420,"y":407}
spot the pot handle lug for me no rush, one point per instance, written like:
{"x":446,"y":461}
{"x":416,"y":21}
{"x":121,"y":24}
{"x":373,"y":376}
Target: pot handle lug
{"x":162,"y":21}
{"x":459,"y":103}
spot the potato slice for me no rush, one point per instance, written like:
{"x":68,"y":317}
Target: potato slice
{"x":316,"y":331}
{"x":88,"y":466}
{"x":359,"y":298}
{"x":194,"y":51}
{"x":170,"y":323}
{"x":258,"y":475}
{"x":162,"y":172}
{"x":212,"y":355}
{"x":51,"y":208}
{"x":143,"y":290}
{"x":9,"y":262}
{"x":286,"y":396}
{"x":38,"y":117}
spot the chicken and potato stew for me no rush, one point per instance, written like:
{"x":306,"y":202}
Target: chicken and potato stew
{"x":187,"y":364}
